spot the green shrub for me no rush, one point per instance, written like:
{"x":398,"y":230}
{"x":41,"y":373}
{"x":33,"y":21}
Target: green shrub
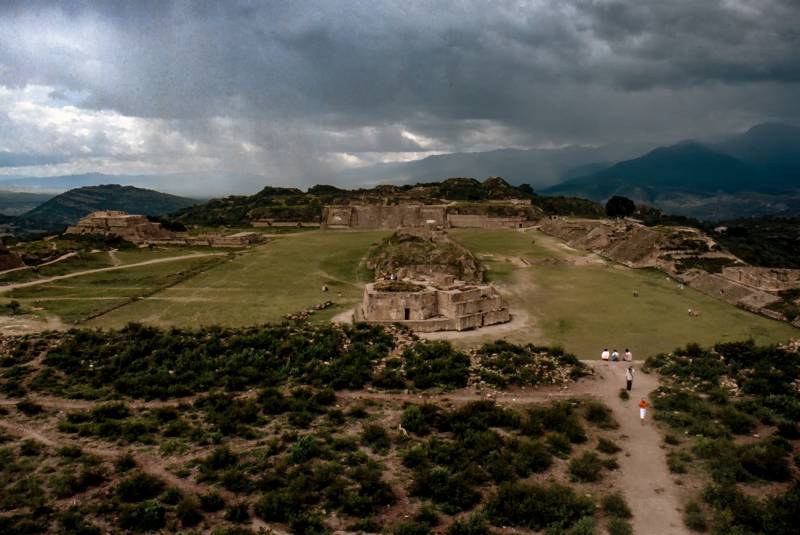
{"x":139,"y":487}
{"x":600,"y":415}
{"x":559,"y":417}
{"x":274,"y":506}
{"x":586,"y":468}
{"x":171,"y":496}
{"x":694,"y":518}
{"x":376,"y":437}
{"x":474,"y":524}
{"x":430,"y":364}
{"x":238,"y":513}
{"x":584,"y":526}
{"x":559,"y":444}
{"x":617,"y":526}
{"x":452,"y":491}
{"x":71,"y":523}
{"x":211,"y":502}
{"x":607,"y":446}
{"x":188,"y":511}
{"x":536,"y":506}
{"x":29,"y":408}
{"x":125,"y":462}
{"x":419,"y":419}
{"x":765,"y":460}
{"x":144,"y":516}
{"x":308,"y":523}
{"x":615,"y":505}
{"x":30,"y":448}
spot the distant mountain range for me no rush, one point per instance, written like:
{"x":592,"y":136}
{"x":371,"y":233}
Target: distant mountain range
{"x":751,"y":174}
{"x":197,"y":185}
{"x":69,"y":207}
{"x":537,"y":167}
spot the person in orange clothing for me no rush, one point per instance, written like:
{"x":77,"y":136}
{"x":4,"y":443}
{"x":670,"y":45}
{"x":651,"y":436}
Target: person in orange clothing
{"x":643,"y":409}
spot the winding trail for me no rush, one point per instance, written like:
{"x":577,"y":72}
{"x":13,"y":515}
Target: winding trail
{"x":9,"y":287}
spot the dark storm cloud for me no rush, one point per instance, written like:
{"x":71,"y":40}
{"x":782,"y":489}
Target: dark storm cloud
{"x":300,"y":80}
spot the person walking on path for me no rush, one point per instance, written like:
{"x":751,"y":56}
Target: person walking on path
{"x":605,"y":355}
{"x":643,"y":409}
{"x":628,"y":355}
{"x":629,"y":378}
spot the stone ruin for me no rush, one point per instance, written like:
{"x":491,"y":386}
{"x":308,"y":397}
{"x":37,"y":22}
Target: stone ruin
{"x":373,"y":216}
{"x":130,"y":227}
{"x":140,"y":230}
{"x":669,"y":249}
{"x":428,"y":297}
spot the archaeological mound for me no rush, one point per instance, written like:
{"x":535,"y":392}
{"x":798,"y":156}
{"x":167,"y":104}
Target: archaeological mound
{"x":428,"y":282}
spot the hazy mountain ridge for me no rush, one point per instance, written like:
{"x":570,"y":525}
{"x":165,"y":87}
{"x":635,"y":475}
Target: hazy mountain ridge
{"x":751,"y":174}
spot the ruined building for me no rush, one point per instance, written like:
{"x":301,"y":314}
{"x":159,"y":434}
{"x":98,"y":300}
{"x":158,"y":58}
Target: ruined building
{"x":374,"y":216}
{"x":421,"y":284}
{"x":130,"y":227}
{"x":140,"y":230}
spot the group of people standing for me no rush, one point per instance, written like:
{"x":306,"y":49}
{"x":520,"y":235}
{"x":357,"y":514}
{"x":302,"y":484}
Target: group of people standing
{"x":614,"y":356}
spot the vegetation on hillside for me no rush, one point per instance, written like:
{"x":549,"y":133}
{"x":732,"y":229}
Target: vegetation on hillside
{"x":292,"y":204}
{"x":67,"y":208}
{"x":737,"y":404}
{"x":260,"y":431}
{"x":151,"y":363}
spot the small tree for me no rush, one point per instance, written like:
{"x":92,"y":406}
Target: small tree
{"x":14,"y":306}
{"x":527,"y":189}
{"x":619,"y":207}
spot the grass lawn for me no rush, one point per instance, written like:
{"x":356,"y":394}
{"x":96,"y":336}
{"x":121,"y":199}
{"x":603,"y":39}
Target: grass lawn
{"x":587,"y":305}
{"x":73,"y":299}
{"x":263,"y":284}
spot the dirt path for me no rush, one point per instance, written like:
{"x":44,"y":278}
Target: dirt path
{"x":644,"y":478}
{"x":55,"y":261}
{"x":9,"y":287}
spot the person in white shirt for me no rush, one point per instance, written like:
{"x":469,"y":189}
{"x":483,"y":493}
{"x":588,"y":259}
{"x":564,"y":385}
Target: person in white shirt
{"x":628,"y":355}
{"x":614,"y":356}
{"x":605,"y":355}
{"x":629,"y":378}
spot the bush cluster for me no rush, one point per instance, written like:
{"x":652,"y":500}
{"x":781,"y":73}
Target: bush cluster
{"x":503,"y":364}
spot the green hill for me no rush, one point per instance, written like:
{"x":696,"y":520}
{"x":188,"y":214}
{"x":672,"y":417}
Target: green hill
{"x":292,"y":204}
{"x":69,"y":207}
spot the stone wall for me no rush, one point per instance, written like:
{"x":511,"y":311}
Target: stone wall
{"x":767,"y":279}
{"x":485,"y":221}
{"x":411,"y":216}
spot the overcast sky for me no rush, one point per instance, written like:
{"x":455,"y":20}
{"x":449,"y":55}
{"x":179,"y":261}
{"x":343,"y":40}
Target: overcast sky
{"x":296,"y":89}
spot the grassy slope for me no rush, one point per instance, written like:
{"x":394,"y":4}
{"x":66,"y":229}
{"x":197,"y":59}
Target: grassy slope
{"x":73,"y":299}
{"x":264,"y":284}
{"x":587,"y":307}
